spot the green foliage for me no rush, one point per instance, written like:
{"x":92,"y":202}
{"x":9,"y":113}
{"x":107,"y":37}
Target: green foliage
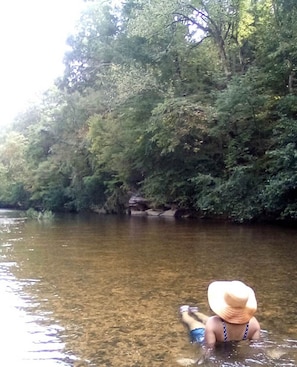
{"x":275,"y":46}
{"x":91,"y":48}
{"x":244,"y":123}
{"x":206,"y":198}
{"x":118,"y":140}
{"x":191,"y":103}
{"x":280,"y":193}
{"x":44,"y":215}
{"x":240,"y":195}
{"x":177,"y":122}
{"x":13,"y":171}
{"x":237,"y":198}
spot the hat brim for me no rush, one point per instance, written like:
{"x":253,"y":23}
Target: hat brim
{"x":233,"y":315}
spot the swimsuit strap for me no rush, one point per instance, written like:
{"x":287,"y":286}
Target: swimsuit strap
{"x":224,"y":331}
{"x":246,"y":331}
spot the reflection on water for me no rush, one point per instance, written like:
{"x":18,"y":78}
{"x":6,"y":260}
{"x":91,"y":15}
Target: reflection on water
{"x":104,"y":291}
{"x":25,"y":338}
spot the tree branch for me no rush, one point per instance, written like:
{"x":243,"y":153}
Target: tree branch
{"x":185,"y":17}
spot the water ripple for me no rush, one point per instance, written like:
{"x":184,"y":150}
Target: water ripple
{"x":25,"y":339}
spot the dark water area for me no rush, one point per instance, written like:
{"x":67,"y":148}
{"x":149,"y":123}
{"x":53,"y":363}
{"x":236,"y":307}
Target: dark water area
{"x":105,"y":291}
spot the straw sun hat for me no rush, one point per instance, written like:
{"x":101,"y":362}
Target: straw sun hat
{"x":233,"y":301}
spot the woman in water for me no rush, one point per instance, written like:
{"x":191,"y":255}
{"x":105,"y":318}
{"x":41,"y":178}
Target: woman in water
{"x":234,"y":305}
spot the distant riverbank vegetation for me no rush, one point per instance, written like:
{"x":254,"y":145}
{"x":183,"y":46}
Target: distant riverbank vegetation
{"x":187,"y":103}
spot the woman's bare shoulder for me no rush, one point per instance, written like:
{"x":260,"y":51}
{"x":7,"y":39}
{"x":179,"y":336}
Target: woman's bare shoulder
{"x":254,"y":323}
{"x":213,"y":320}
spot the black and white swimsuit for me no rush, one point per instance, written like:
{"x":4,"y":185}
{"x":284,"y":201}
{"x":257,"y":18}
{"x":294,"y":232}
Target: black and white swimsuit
{"x":225,"y":331}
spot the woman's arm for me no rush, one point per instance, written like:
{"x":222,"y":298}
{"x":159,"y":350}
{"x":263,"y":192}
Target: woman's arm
{"x":210,"y":335}
{"x":256,"y":330}
{"x":209,"y":340}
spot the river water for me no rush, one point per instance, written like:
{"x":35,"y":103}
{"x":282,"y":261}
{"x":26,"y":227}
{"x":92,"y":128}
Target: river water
{"x":105,"y":291}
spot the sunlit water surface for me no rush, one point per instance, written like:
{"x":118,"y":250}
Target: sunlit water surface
{"x":105,"y":291}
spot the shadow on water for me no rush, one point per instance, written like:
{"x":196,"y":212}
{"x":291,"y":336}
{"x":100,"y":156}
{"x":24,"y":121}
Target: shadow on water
{"x":104,"y":291}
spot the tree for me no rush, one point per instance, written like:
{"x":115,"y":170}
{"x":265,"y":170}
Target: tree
{"x":13,"y":170}
{"x":280,"y":192}
{"x":224,"y":22}
{"x":91,"y":48}
{"x":190,"y":103}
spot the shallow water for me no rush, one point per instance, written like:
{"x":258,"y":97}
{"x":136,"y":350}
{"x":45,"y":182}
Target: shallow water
{"x":105,"y":291}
